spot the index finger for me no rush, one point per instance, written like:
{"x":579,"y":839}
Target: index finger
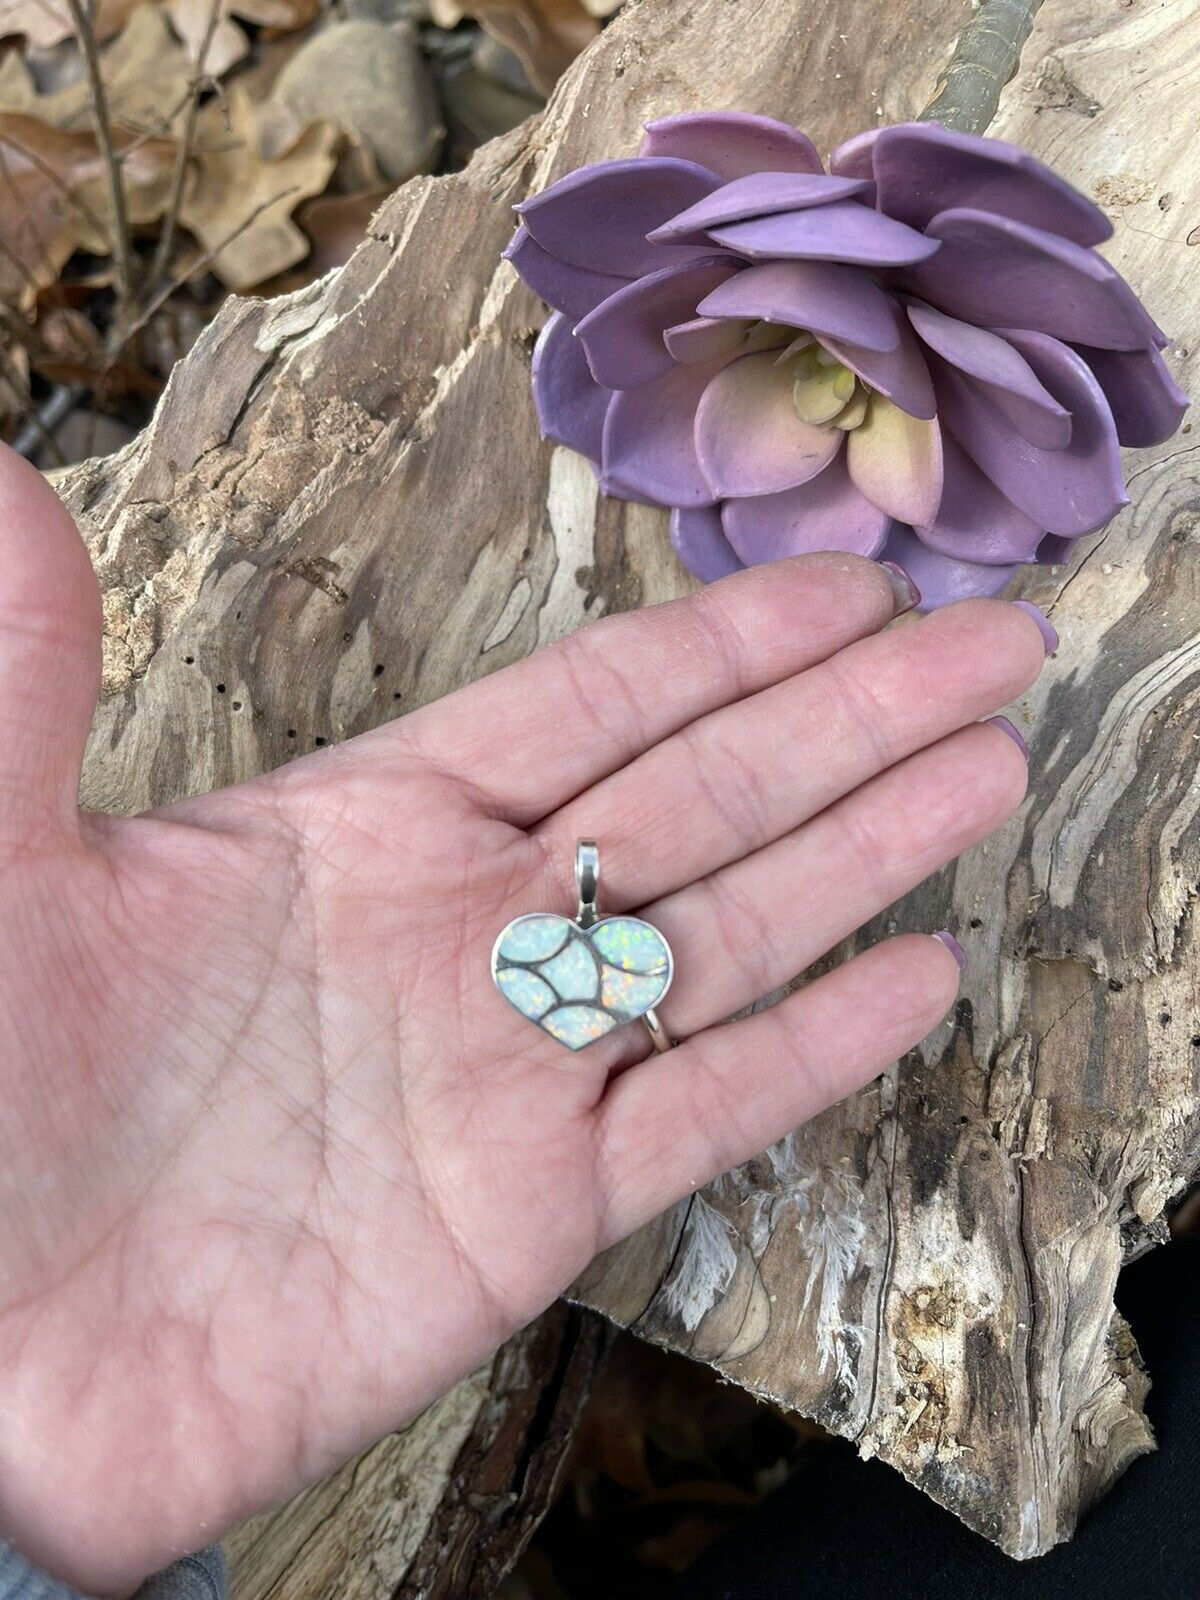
{"x":532,"y":736}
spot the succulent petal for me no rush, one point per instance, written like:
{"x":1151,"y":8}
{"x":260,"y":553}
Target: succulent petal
{"x":821,"y":393}
{"x":732,"y":143}
{"x":1005,"y":274}
{"x":759,"y":194}
{"x":1005,"y":376}
{"x":1146,"y":402}
{"x":573,"y":290}
{"x":921,"y":168}
{"x":820,"y":296}
{"x":649,"y":449}
{"x":749,"y":440}
{"x":698,"y":539}
{"x":570,"y":404}
{"x":841,"y":231}
{"x":942,"y":579}
{"x":826,"y":513}
{"x":974,"y":518}
{"x":901,"y":374}
{"x":598,"y":217}
{"x":707,"y":339}
{"x":895,"y":461}
{"x":1071,"y":491}
{"x":624,"y":335}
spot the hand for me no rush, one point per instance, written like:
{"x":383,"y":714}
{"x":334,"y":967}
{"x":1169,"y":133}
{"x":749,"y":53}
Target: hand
{"x":278,"y":1163}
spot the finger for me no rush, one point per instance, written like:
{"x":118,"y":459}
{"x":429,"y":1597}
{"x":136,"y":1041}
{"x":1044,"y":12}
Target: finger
{"x":747,"y":774}
{"x":676,"y":1121}
{"x":49,"y":655}
{"x":530,"y":737}
{"x":754,"y":925}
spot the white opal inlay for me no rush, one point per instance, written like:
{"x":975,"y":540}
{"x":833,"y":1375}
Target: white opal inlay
{"x":533,"y":938}
{"x":576,"y":1026}
{"x":628,"y":992}
{"x":526,"y":990}
{"x":631,"y":944}
{"x":578,"y":983}
{"x":573,"y":972}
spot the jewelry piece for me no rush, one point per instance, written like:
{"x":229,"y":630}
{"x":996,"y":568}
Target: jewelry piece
{"x":578,"y":980}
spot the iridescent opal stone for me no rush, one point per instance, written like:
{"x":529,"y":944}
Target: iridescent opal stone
{"x":578,"y":983}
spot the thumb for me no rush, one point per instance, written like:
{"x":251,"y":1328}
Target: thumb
{"x":50,"y":625}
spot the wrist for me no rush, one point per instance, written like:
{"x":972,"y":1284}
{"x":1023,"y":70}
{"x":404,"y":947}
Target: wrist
{"x":20,"y":1578}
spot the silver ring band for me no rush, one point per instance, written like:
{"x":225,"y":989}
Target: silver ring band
{"x":659,"y":1037}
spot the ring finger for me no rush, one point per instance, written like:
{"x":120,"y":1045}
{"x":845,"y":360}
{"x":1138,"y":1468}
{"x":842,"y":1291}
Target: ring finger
{"x":747,"y":929}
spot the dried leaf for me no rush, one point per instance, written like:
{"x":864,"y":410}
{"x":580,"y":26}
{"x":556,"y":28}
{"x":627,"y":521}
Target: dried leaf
{"x":66,"y":335}
{"x":53,"y":199}
{"x":229,"y":43}
{"x":281,"y":16}
{"x":336,"y":224}
{"x":369,"y":79}
{"x":239,"y":204}
{"x":146,"y":75}
{"x":546,"y":34}
{"x":18,"y":92}
{"x":497,"y":62}
{"x":70,"y":350}
{"x":14,"y":380}
{"x":42,"y":23}
{"x":258,"y":75}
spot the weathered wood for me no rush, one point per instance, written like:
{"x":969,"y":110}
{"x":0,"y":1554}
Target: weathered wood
{"x":341,"y":510}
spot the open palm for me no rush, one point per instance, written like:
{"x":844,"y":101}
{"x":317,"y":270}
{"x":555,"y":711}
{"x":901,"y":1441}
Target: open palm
{"x":278,"y":1163}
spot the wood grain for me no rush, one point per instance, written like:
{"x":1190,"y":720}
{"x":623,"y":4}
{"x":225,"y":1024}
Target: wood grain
{"x":342,"y":510}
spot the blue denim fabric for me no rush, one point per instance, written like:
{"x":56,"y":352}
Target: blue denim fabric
{"x":198,"y":1577}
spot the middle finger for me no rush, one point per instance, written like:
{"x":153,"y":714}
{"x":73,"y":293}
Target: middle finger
{"x":743,"y":776}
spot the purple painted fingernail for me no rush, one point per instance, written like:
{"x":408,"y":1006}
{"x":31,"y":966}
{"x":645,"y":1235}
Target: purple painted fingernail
{"x":952,"y":944}
{"x":1013,"y":733}
{"x":905,"y":590}
{"x":1044,"y":626}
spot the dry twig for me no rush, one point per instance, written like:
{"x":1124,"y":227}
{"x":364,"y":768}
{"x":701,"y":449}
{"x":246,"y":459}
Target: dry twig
{"x":123,"y":263}
{"x":205,"y":259}
{"x":183,"y":152}
{"x":10,"y":376}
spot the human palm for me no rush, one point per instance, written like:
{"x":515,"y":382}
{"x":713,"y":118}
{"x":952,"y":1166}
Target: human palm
{"x":278,"y":1163}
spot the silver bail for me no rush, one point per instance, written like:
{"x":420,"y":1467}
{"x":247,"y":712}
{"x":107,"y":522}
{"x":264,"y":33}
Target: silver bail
{"x":587,"y":881}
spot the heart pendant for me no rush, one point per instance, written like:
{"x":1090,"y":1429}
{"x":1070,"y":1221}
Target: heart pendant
{"x":577,"y":980}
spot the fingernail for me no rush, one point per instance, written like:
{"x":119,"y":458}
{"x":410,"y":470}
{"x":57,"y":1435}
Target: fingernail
{"x":952,"y":944}
{"x":905,"y":590}
{"x":1044,"y":626}
{"x":1013,"y":733}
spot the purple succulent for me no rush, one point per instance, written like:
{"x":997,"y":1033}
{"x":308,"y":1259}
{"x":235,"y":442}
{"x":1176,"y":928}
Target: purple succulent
{"x":917,"y":355}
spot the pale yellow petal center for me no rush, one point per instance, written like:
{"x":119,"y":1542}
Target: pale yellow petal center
{"x":825,"y":393}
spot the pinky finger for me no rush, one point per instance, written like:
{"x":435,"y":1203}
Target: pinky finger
{"x":676,"y":1121}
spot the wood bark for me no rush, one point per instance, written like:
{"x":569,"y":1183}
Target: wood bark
{"x":341,"y":510}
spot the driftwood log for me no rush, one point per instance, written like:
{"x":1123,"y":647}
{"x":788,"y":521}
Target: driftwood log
{"x":342,"y":510}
